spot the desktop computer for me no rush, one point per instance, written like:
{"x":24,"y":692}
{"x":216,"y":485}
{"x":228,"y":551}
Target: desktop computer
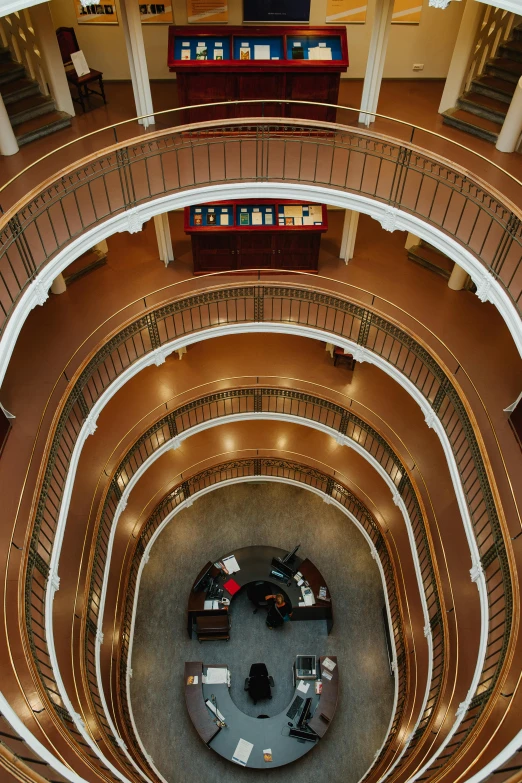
{"x":305,"y":667}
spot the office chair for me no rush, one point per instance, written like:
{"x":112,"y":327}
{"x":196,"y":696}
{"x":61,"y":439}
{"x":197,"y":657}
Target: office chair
{"x":259,"y":682}
{"x":256,"y":592}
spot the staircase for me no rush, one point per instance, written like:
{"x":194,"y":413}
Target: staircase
{"x":32,"y":114}
{"x":483,"y":109}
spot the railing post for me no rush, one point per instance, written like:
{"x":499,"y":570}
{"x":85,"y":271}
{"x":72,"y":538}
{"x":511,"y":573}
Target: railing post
{"x":259,"y":303}
{"x":399,"y":177}
{"x":258,"y":400}
{"x":171,"y":420}
{"x":127,"y":187}
{"x":364,"y":329}
{"x":22,"y":245}
{"x":513,"y":228}
{"x":152,"y":326}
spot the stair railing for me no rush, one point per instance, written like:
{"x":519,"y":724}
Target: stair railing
{"x":21,"y":38}
{"x":495,"y":28}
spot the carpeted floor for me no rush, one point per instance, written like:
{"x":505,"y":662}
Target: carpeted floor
{"x":282,"y":516}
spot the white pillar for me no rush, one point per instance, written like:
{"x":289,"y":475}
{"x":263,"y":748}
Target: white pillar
{"x":58,"y":286}
{"x":458,"y":278}
{"x":162,"y":226}
{"x":131,"y":23}
{"x":376,"y":57}
{"x":351,"y":221}
{"x":101,"y":247}
{"x":460,"y":59}
{"x":8,"y":143}
{"x":509,"y":135}
{"x":411,"y":241}
{"x":50,"y":51}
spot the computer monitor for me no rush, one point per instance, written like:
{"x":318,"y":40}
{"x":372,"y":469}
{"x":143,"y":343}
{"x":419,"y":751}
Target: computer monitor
{"x":285,"y":569}
{"x":289,"y":558}
{"x":203,"y":581}
{"x":305,"y":714}
{"x":305,"y":667}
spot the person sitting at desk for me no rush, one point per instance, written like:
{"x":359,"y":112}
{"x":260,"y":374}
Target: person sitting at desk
{"x":279,"y":611}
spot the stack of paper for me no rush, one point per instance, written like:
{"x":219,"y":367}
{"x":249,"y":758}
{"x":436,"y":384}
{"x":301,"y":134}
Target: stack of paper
{"x":242,"y":752}
{"x":330,"y":665}
{"x":231,"y":564}
{"x":216,"y":676}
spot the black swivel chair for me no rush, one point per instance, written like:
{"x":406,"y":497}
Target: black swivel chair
{"x":256,"y":592}
{"x":259,"y":682}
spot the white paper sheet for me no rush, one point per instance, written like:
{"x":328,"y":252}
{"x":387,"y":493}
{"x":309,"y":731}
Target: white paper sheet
{"x":80,"y":63}
{"x":242,"y":752}
{"x":214,"y":710}
{"x":303,"y":686}
{"x":261,"y":52}
{"x":215,"y":676}
{"x":231,"y":564}
{"x":330,"y":665}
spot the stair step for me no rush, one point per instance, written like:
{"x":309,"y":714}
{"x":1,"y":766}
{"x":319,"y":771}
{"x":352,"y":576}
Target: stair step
{"x":512,"y":49}
{"x":484,"y":106}
{"x":5,"y":54}
{"x":10,"y":71}
{"x":471,"y":123}
{"x":500,"y":89}
{"x":18,"y":89}
{"x":35,"y":128}
{"x":430,"y":258}
{"x":27,"y":108}
{"x":516,"y":33}
{"x":511,"y":70}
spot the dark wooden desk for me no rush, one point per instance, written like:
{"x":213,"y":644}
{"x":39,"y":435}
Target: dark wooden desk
{"x":268,"y":733}
{"x":255,"y":564}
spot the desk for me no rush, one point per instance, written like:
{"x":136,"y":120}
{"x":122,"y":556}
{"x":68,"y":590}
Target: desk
{"x":255,"y":564}
{"x":268,"y":733}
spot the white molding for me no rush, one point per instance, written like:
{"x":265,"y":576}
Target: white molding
{"x":259,"y":479}
{"x":21,"y":729}
{"x":10,"y":6}
{"x":390,"y":217}
{"x":285,"y":328}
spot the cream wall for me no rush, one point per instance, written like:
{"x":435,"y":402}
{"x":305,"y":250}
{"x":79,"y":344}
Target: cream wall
{"x":431,"y":42}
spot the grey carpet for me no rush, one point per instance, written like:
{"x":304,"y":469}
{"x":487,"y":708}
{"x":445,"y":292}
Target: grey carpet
{"x":282,"y":516}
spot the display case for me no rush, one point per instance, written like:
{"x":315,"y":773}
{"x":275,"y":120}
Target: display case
{"x":266,"y":63}
{"x":256,"y":234}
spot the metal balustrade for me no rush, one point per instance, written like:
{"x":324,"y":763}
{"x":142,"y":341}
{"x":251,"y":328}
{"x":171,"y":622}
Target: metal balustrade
{"x":289,"y":306}
{"x":334,"y":156}
{"x":268,"y":467}
{"x":20,"y":760}
{"x":286,"y":402}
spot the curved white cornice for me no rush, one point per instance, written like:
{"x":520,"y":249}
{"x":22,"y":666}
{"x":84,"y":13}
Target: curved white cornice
{"x":363,"y":354}
{"x":391,"y":219}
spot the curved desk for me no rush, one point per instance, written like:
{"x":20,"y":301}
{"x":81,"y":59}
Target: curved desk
{"x":270,"y":733}
{"x":255,"y":564}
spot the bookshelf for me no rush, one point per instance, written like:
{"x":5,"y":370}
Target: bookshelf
{"x":270,"y":64}
{"x":261,"y":234}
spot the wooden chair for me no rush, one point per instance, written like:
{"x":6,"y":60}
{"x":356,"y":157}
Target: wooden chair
{"x":68,"y":44}
{"x":342,"y":357}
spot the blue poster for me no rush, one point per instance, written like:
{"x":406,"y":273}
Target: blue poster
{"x":276,"y":11}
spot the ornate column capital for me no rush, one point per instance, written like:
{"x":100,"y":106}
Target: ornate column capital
{"x":484,"y":282}
{"x":54,"y":581}
{"x":396,"y":497}
{"x":389,"y":219}
{"x":40,"y":292}
{"x":133,"y":222}
{"x":90,"y":423}
{"x":175,"y":443}
{"x":476,"y":571}
{"x":427,"y":630}
{"x":99,"y":636}
{"x":430,"y":417}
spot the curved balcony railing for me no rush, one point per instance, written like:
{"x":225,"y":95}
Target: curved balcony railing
{"x":309,"y":409}
{"x":287,"y":307}
{"x":268,"y":468}
{"x":338,"y":157}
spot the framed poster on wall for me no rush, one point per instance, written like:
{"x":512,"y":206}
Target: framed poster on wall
{"x":207,"y":11}
{"x":155,"y":13}
{"x":345,"y":12}
{"x":100,"y":13}
{"x":406,"y":11}
{"x":286,"y":11}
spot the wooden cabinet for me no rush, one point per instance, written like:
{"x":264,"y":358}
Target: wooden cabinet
{"x":210,"y":68}
{"x":267,"y":243}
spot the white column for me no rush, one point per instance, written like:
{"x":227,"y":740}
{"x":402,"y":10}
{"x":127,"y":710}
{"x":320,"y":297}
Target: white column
{"x":460,"y":59}
{"x":162,"y":226}
{"x":509,"y":136}
{"x":50,"y":51}
{"x":458,"y":278}
{"x":130,"y":19}
{"x":376,"y":57}
{"x":351,"y":221}
{"x":101,"y":247}
{"x":8,"y":143}
{"x":59,"y":286}
{"x":411,"y":241}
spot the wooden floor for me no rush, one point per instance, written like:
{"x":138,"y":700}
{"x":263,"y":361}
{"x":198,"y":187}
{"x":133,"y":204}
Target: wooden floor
{"x":469,"y":336}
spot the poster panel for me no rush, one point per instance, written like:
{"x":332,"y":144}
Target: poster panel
{"x":406,"y":11}
{"x":346,"y":11}
{"x":100,"y":13}
{"x":207,"y":11}
{"x":286,"y":11}
{"x":155,"y":13}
